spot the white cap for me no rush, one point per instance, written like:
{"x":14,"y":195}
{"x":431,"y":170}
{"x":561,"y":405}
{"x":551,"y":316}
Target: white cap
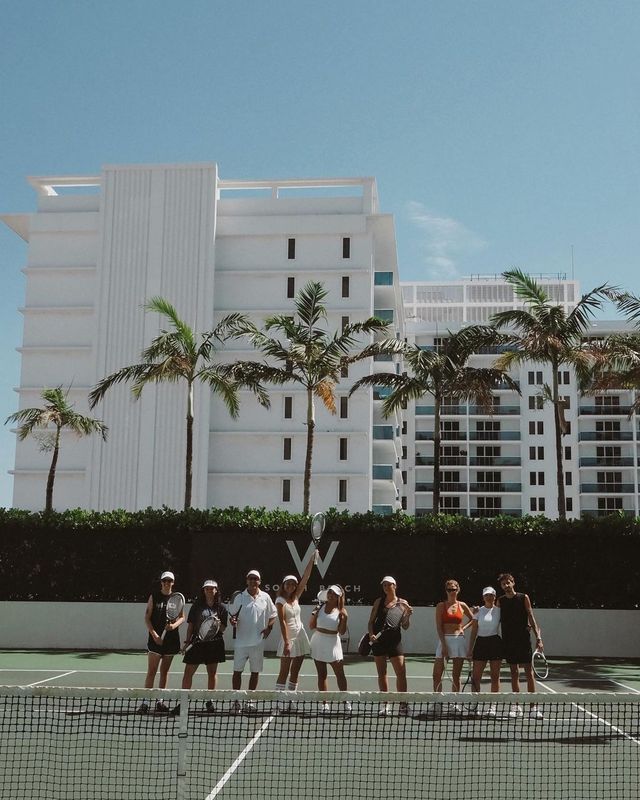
{"x":337,"y":590}
{"x":290,"y":578}
{"x":388,"y":579}
{"x":488,"y":590}
{"x":254,"y":572}
{"x":210,"y":583}
{"x":167,"y":574}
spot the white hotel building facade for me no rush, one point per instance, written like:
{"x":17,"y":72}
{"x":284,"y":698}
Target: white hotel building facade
{"x":100,"y":246}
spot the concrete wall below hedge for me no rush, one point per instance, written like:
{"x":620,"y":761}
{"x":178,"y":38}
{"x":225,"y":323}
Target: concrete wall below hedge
{"x":120,"y":626}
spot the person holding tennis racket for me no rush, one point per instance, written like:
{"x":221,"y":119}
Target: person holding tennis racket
{"x":390,"y":615}
{"x":450,"y":615}
{"x":329,"y":623}
{"x":294,"y":644}
{"x":486,"y":644}
{"x":517,"y":621}
{"x":253,"y":614}
{"x":204,"y":643}
{"x":164,"y":639}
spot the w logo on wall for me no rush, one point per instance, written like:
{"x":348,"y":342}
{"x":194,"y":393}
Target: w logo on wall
{"x":322,"y":564}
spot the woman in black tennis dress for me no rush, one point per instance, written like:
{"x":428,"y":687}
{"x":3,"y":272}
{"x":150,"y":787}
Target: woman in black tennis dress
{"x":210,"y":653}
{"x":160,"y":652}
{"x":389,"y":644}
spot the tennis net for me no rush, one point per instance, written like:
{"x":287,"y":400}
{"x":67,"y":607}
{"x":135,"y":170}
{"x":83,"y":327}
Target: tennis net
{"x":94,"y":744}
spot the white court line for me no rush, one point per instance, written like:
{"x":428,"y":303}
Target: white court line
{"x":600,"y":719}
{"x":624,"y":686}
{"x":52,"y":678}
{"x":219,"y":786}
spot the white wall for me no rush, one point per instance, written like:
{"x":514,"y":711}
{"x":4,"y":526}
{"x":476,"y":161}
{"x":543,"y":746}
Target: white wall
{"x":120,"y":626}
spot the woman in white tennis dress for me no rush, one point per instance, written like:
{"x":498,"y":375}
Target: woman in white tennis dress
{"x":329,"y":623}
{"x":294,"y":644}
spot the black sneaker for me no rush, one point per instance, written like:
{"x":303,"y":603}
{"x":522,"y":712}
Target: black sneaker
{"x":162,"y":707}
{"x":209,"y":706}
{"x":175,"y":710}
{"x":143,"y":709}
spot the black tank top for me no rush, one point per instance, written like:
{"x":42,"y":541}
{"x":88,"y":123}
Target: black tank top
{"x":513,"y":615}
{"x":159,"y":613}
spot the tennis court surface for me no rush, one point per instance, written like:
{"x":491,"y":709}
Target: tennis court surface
{"x":582,"y":741}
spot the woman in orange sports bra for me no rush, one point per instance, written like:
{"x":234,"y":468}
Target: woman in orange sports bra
{"x":450,"y":615}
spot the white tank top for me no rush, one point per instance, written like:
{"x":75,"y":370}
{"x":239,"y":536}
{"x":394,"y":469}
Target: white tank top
{"x":488,"y":621}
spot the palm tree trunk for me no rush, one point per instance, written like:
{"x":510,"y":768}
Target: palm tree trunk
{"x":436,"y":454}
{"x":48,"y":505}
{"x":562,"y":504}
{"x":311,"y":424}
{"x":188,"y":466}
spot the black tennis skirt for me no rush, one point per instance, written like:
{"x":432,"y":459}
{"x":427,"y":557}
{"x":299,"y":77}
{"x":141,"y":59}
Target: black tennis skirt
{"x":205,"y":653}
{"x":389,"y":644}
{"x":488,"y":648}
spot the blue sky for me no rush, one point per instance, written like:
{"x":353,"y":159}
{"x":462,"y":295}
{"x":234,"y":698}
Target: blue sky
{"x":501,"y":133}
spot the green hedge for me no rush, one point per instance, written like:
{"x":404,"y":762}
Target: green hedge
{"x":117,"y":556}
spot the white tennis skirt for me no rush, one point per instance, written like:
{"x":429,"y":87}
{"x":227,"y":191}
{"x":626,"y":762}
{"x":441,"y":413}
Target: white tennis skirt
{"x":456,"y":645}
{"x":299,"y":645}
{"x":326,"y":647}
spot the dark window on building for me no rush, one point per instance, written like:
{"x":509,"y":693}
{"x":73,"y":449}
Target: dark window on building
{"x":567,"y":454}
{"x":569,"y":503}
{"x":404,"y":427}
{"x":404,"y":477}
{"x":404,"y":452}
{"x":344,"y":407}
{"x":344,"y":372}
{"x":343,"y":449}
{"x":346,"y":248}
{"x":345,"y":322}
{"x":568,"y":479}
{"x":345,"y":286}
{"x":288,"y":407}
{"x":291,"y":248}
{"x":286,"y":449}
{"x":404,"y":503}
{"x":291,"y":287}
{"x":286,"y":490}
{"x":342,"y":490}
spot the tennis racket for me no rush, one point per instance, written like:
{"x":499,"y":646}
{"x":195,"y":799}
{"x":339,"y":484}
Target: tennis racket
{"x":234,"y":617}
{"x":175,"y":605}
{"x":394,"y":618}
{"x":318,"y":523}
{"x":321,"y":599}
{"x":540,"y":665}
{"x":208,"y":630}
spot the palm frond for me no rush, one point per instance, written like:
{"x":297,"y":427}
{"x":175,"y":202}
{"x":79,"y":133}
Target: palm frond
{"x":525,"y":287}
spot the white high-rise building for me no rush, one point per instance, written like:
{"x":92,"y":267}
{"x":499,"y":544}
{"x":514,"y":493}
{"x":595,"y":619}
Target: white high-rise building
{"x":100,"y":246}
{"x":505,"y":463}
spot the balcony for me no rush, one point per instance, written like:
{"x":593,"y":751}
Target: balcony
{"x":384,"y":510}
{"x":477,"y":513}
{"x":383,"y":279}
{"x":605,"y":436}
{"x":383,"y":432}
{"x":495,"y":461}
{"x":607,"y":461}
{"x":445,"y":486}
{"x":382,"y":472}
{"x":385,"y":314}
{"x":494,"y":436}
{"x":495,"y":411}
{"x":495,"y":487}
{"x":429,"y":411}
{"x":445,"y":436}
{"x":607,"y":488}
{"x":445,"y":461}
{"x":605,"y":411}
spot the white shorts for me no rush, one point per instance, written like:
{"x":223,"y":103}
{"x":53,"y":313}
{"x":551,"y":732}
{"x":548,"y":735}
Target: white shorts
{"x":254,"y":654}
{"x":456,"y":645}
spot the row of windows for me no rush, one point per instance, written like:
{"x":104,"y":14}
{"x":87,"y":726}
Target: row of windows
{"x":345,"y":286}
{"x":346,"y":248}
{"x":342,"y":490}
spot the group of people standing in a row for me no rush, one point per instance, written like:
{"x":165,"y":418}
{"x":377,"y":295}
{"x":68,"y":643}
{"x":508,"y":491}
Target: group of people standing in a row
{"x":253,"y":615}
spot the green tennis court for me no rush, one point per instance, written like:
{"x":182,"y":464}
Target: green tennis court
{"x":66,"y":743}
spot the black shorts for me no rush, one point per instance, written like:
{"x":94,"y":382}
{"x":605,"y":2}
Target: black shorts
{"x":389,"y":644}
{"x":169,"y":646}
{"x":487,"y":648}
{"x":517,"y":650}
{"x":205,"y":653}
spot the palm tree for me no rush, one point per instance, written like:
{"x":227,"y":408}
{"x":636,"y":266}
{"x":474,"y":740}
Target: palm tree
{"x":543,"y":332}
{"x":303,"y":351}
{"x":177,"y":355}
{"x":57,"y":413}
{"x":442,"y":373}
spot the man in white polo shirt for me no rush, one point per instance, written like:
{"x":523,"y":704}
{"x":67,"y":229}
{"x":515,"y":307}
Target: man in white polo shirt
{"x":253,"y":613}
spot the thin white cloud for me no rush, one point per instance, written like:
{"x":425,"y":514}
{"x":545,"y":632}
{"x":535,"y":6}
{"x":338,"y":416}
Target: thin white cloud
{"x":445,"y":242}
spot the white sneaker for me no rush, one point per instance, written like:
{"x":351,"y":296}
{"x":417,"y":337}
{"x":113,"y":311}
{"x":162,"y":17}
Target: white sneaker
{"x":235,"y":707}
{"x":492,"y":711}
{"x":347,"y":706}
{"x":385,"y":710}
{"x":249,"y":706}
{"x":516,"y":711}
{"x":535,"y":713}
{"x":325,"y":708}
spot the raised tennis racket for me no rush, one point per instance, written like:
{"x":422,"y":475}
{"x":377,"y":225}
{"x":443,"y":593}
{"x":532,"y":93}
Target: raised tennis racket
{"x":175,"y":606}
{"x":208,"y":630}
{"x":540,"y":665}
{"x":321,"y":599}
{"x":318,"y":523}
{"x":234,"y":617}
{"x":394,"y":619}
